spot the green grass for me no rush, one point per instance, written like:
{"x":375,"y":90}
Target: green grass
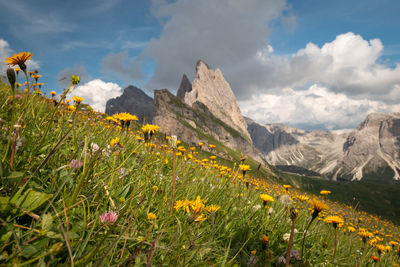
{"x":50,"y":212}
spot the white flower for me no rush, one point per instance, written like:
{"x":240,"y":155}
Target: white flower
{"x":94,"y":147}
{"x":256,"y":207}
{"x":286,"y":237}
{"x":270,"y":211}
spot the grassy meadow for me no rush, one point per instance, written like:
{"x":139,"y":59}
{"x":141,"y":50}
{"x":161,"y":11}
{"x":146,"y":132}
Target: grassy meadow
{"x":79,"y":188}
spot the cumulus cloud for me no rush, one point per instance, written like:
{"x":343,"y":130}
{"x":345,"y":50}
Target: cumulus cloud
{"x":6,"y":51}
{"x":348,"y":64}
{"x":64,"y":76}
{"x":226,"y":34}
{"x":313,"y":108}
{"x":123,"y":66}
{"x":96,"y":93}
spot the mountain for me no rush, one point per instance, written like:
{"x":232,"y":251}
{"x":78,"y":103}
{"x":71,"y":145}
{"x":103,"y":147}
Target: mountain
{"x":196,"y":123}
{"x":369,"y":152}
{"x":185,"y":87}
{"x":134,"y":101}
{"x":212,"y":90}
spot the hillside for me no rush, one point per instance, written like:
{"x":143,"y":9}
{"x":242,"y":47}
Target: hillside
{"x":79,"y":188}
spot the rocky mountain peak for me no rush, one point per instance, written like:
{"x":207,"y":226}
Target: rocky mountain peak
{"x":134,"y":101}
{"x":211,"y":89}
{"x":184,"y":88}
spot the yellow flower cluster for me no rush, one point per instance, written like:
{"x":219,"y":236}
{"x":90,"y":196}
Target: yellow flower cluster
{"x":325,"y":192}
{"x":266,"y":198}
{"x":196,"y":207}
{"x":151,"y":216}
{"x":77,"y":99}
{"x":125,"y":117}
{"x":150,"y":129}
{"x":244,"y":167}
{"x":335,"y":220}
{"x":114,"y":141}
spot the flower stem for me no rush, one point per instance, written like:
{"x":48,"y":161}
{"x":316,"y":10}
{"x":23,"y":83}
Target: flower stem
{"x":304,"y":236}
{"x":173,"y":180}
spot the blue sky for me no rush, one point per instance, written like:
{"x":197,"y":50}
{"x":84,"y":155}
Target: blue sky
{"x":294,"y":55}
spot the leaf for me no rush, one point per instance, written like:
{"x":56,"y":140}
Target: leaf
{"x":47,"y":221}
{"x":15,"y":175}
{"x":30,"y":201}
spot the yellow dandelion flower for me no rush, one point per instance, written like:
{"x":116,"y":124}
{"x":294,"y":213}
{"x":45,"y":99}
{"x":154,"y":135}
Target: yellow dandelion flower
{"x":325,"y":192}
{"x":77,"y":99}
{"x":114,"y":141}
{"x":19,"y":59}
{"x":212,"y":208}
{"x":151,"y":216}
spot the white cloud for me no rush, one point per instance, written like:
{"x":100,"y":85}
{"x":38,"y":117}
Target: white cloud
{"x":6,"y":51}
{"x":226,"y":34}
{"x":316,"y":107}
{"x":348,"y":64}
{"x":96,"y":93}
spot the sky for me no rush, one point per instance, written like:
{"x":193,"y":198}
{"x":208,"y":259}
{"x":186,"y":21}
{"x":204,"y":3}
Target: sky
{"x":309,"y":64}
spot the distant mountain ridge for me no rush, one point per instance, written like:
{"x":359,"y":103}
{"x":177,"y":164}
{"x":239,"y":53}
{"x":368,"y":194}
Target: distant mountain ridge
{"x":371,"y":150}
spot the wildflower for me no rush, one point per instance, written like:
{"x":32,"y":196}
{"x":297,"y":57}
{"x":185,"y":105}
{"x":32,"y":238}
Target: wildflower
{"x":265,"y":241}
{"x":200,"y":218}
{"x":211,"y":146}
{"x":318,"y":206}
{"x":351,"y":229}
{"x":19,"y":59}
{"x":108,"y":218}
{"x":181,"y":149}
{"x":393,"y":243}
{"x":114,"y":141}
{"x":303,"y":198}
{"x":334,"y":220}
{"x":200,"y":144}
{"x":71,"y":108}
{"x":286,"y":237}
{"x":212,"y":208}
{"x":75,"y":164}
{"x":266,"y":198}
{"x":125,"y":118}
{"x":53,"y":93}
{"x":253,"y":252}
{"x":151,"y":216}
{"x":244,"y":168}
{"x":155,"y":188}
{"x":77,"y":99}
{"x":287,"y":186}
{"x":375,"y":258}
{"x":75,"y":79}
{"x":94,"y":147}
{"x":149,"y":130}
{"x":325,"y":192}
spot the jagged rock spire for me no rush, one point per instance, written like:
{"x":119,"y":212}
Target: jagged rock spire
{"x":185,"y":87}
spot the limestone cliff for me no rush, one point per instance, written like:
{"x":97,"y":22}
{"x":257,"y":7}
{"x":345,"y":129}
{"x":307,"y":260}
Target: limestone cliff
{"x":196,"y":123}
{"x":211,"y":89}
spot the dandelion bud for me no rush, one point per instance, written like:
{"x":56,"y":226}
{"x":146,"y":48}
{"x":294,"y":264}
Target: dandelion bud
{"x":75,"y":79}
{"x":11,"y":77}
{"x":293,"y":213}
